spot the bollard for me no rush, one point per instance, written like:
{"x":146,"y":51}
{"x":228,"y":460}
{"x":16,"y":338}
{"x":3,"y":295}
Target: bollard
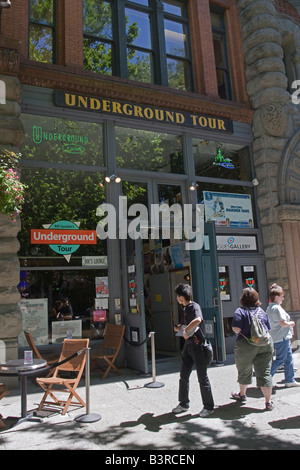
{"x":153,"y":384}
{"x":88,"y":417}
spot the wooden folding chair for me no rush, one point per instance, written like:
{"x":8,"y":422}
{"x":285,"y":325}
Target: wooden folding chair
{"x":56,"y":384}
{"x":112,"y":342}
{"x":34,"y":349}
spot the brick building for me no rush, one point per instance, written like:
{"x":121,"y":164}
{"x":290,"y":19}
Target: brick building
{"x":164,"y":95}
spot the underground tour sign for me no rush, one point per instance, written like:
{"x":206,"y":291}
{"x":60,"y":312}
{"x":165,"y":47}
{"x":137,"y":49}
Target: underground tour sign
{"x":63,"y":237}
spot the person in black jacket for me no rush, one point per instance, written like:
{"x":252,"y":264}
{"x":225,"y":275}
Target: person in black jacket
{"x":193,"y":353}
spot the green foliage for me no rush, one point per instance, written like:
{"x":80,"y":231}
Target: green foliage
{"x":11,"y":188}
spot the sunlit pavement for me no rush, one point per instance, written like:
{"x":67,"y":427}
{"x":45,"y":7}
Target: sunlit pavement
{"x":133,"y":416}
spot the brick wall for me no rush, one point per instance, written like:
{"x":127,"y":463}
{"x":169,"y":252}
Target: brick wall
{"x":69,"y":61}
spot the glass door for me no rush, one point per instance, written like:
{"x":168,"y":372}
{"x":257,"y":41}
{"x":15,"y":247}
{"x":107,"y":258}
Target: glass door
{"x":236,"y":273}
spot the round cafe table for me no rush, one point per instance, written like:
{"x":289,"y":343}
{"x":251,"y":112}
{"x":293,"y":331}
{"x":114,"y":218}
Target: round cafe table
{"x":18,"y":368}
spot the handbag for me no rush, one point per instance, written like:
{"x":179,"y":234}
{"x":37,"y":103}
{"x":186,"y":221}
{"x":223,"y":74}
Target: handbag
{"x":207,"y":349}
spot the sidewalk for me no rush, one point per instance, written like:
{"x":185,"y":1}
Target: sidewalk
{"x":135,"y":417}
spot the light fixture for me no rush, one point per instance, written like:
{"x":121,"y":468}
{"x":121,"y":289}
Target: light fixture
{"x":5,"y":4}
{"x":193,"y":186}
{"x":114,"y":178}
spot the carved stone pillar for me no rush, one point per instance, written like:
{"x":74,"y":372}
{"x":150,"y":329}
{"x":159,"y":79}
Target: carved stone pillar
{"x":11,"y":138}
{"x":276,"y":147}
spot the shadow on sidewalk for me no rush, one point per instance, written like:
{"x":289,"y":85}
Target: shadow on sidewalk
{"x":230,"y":411}
{"x":288,"y":423}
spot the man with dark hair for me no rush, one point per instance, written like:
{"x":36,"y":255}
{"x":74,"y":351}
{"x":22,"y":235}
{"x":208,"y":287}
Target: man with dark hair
{"x":193,"y":353}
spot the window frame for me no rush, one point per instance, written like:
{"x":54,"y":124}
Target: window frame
{"x":155,"y":10}
{"x":42,"y":23}
{"x":221,"y":31}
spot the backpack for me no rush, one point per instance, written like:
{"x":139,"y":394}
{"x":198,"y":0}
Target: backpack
{"x":259,"y":336}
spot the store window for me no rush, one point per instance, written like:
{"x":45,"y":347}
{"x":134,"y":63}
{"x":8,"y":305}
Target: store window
{"x":136,"y":193}
{"x":60,"y":255}
{"x":42,"y":30}
{"x":138,"y":40}
{"x":51,"y":271}
{"x":146,"y":150}
{"x":57,"y":140}
{"x":221,"y":160}
{"x":221,"y":54}
{"x":169,"y":194}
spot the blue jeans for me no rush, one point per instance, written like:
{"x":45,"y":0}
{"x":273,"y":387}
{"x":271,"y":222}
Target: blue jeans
{"x":284,"y":356}
{"x":193,"y":354}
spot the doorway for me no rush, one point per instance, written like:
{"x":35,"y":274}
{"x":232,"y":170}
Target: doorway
{"x":236,"y":273}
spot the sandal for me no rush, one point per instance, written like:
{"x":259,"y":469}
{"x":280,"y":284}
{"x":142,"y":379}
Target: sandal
{"x":270,"y":406}
{"x":238,"y":397}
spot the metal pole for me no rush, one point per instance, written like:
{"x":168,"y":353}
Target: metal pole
{"x":88,"y":417}
{"x":153,"y":384}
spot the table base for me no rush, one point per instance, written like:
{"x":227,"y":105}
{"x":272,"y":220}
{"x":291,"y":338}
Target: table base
{"x":30,"y":417}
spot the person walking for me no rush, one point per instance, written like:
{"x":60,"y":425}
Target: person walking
{"x":281,"y":332}
{"x":249,"y":355}
{"x":192,"y":353}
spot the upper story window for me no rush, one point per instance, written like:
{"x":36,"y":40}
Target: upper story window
{"x":143,"y":40}
{"x":42,"y":30}
{"x":177,"y":45}
{"x":98,"y":42}
{"x":221,"y":54}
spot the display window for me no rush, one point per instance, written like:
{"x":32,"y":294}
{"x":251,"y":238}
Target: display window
{"x":64,"y":269}
{"x":60,"y":203}
{"x":148,"y":150}
{"x":65,"y":141}
{"x":221,"y":160}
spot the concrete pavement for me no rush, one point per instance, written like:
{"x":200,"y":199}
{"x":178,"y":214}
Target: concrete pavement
{"x":138,"y":418}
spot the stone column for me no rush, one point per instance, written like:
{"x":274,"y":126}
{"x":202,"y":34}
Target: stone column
{"x":267,"y":89}
{"x":276,"y":142}
{"x":11,"y":138}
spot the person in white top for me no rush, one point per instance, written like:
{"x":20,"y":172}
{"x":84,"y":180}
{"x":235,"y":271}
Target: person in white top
{"x":281,"y":332}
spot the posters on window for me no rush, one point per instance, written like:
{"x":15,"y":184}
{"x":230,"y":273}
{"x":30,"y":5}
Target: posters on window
{"x":101,"y":287}
{"x":228,"y":209}
{"x":34,"y":320}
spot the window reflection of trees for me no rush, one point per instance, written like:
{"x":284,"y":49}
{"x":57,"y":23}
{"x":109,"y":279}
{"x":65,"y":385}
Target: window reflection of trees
{"x":41,"y":30}
{"x":101,"y":40}
{"x":147,"y":150}
{"x":52,"y":139}
{"x":54,"y":195}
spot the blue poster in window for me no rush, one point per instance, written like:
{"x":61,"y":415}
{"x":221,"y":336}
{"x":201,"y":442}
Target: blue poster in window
{"x":228,"y":209}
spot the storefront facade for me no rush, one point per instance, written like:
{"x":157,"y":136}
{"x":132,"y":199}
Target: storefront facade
{"x":172,"y":127}
{"x":70,"y":150}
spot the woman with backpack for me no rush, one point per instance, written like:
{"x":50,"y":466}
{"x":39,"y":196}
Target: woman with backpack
{"x":250,"y":354}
